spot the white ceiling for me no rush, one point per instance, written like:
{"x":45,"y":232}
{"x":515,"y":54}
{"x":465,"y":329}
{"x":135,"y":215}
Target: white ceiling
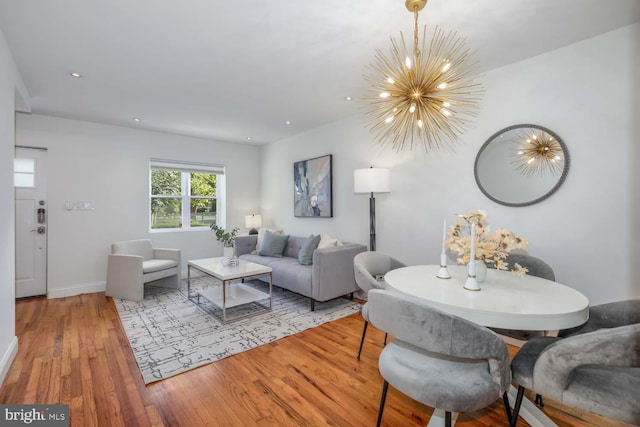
{"x":227,"y":70}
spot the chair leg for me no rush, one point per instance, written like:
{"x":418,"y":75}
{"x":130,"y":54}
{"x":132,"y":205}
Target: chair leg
{"x":364,"y":332}
{"x":507,"y":407}
{"x":313,"y":304}
{"x":385,"y":338}
{"x":539,"y":401}
{"x":447,"y":419}
{"x":385,"y":387}
{"x":516,"y":407}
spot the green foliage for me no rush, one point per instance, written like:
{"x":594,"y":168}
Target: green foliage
{"x":166,"y":183}
{"x":225,"y":237}
{"x":203,"y":184}
{"x":166,"y":211}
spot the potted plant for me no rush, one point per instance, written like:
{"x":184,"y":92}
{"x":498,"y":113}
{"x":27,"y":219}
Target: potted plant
{"x":226,"y":238}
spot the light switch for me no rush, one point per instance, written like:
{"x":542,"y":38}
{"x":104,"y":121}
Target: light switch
{"x":84,"y":205}
{"x":80,"y":205}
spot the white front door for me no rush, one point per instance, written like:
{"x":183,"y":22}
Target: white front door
{"x":30,"y":172}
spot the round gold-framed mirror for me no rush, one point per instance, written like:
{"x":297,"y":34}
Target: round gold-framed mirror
{"x":521,"y":165}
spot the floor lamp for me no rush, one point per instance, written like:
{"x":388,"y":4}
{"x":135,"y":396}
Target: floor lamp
{"x":371,"y":180}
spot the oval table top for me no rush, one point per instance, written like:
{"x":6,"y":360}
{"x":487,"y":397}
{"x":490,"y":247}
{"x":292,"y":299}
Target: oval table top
{"x":505,"y":300}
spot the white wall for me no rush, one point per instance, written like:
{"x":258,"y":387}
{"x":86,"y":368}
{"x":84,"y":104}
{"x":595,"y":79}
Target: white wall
{"x":8,"y":83}
{"x":587,"y":93}
{"x":109,"y":165}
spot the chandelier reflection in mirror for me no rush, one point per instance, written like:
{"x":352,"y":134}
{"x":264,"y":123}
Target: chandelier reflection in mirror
{"x":537,"y":152}
{"x":423,"y":99}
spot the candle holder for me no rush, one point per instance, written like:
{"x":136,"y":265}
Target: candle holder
{"x":471,"y":284}
{"x":443,"y":273}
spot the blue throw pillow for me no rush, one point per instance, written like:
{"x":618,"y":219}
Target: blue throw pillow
{"x":273,"y":244}
{"x":305,"y":256}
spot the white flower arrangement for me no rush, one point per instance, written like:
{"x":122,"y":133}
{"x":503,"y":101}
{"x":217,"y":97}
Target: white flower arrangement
{"x":492,"y":249}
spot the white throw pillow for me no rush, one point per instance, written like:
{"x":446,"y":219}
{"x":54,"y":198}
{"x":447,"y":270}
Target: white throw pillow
{"x":261,"y":232}
{"x":327,"y":241}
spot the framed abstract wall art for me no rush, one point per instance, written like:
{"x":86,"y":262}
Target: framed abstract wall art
{"x":312,"y":188}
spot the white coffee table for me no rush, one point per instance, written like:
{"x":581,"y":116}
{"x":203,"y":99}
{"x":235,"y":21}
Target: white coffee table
{"x":230,"y":294}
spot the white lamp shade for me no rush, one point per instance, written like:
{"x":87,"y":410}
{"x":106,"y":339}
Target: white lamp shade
{"x":253,"y":221}
{"x":371,"y":180}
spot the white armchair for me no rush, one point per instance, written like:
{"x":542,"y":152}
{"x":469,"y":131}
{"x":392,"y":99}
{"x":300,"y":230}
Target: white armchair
{"x":133,"y":263}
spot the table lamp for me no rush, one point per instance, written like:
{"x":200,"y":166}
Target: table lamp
{"x":253,"y":222}
{"x":371,"y":180}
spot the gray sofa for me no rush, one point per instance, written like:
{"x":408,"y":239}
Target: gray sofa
{"x":330,"y":276}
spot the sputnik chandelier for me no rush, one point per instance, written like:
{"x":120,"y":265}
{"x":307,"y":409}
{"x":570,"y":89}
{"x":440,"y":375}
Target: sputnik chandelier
{"x":424,"y":98}
{"x":537,"y":152}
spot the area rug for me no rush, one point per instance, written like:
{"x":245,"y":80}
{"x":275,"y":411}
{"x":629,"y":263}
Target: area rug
{"x":170,"y":334}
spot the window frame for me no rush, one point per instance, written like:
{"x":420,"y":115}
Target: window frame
{"x":19,"y":172}
{"x":186,"y":169}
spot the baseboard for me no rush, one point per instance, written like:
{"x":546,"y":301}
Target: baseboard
{"x":92,"y":287}
{"x":7,"y":359}
{"x":82,"y":288}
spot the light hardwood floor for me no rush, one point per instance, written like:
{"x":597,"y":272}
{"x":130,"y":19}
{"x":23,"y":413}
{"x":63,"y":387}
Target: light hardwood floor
{"x":74,"y":351}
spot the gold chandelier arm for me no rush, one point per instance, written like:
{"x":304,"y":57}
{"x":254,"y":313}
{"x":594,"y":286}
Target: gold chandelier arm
{"x":416,"y":52}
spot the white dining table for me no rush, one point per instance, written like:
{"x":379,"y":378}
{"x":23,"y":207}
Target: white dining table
{"x":504,"y":301}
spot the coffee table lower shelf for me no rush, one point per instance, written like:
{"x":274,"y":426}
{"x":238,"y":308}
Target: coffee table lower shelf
{"x":237,"y":294}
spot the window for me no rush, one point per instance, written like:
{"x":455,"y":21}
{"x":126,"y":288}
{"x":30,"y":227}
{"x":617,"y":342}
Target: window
{"x":23,"y":172}
{"x":185,"y":195}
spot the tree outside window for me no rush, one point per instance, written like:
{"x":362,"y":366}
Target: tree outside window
{"x":182,"y":200}
{"x":203,"y":199}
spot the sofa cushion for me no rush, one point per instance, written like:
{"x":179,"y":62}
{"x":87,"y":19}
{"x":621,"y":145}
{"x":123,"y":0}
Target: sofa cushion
{"x":261,"y":233}
{"x":305,"y":256}
{"x":152,"y":265}
{"x":287,"y":272}
{"x":327,"y":241}
{"x":273,"y":244}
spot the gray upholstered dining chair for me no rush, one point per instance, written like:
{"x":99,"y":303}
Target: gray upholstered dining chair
{"x":596,"y":371}
{"x":436,"y":358}
{"x":602,"y":316}
{"x":368,"y":268}
{"x":537,"y":268}
{"x":608,"y":315}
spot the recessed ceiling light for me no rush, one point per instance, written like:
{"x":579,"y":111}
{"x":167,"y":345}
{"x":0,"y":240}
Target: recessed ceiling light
{"x":287,"y":122}
{"x":137,"y":119}
{"x":348,"y":98}
{"x":76,"y":75}
{"x":249,"y":138}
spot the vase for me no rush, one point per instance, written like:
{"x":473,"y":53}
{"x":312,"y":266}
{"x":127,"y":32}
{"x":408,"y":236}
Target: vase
{"x":229,"y":259}
{"x":481,"y":270}
{"x":228,"y":251}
